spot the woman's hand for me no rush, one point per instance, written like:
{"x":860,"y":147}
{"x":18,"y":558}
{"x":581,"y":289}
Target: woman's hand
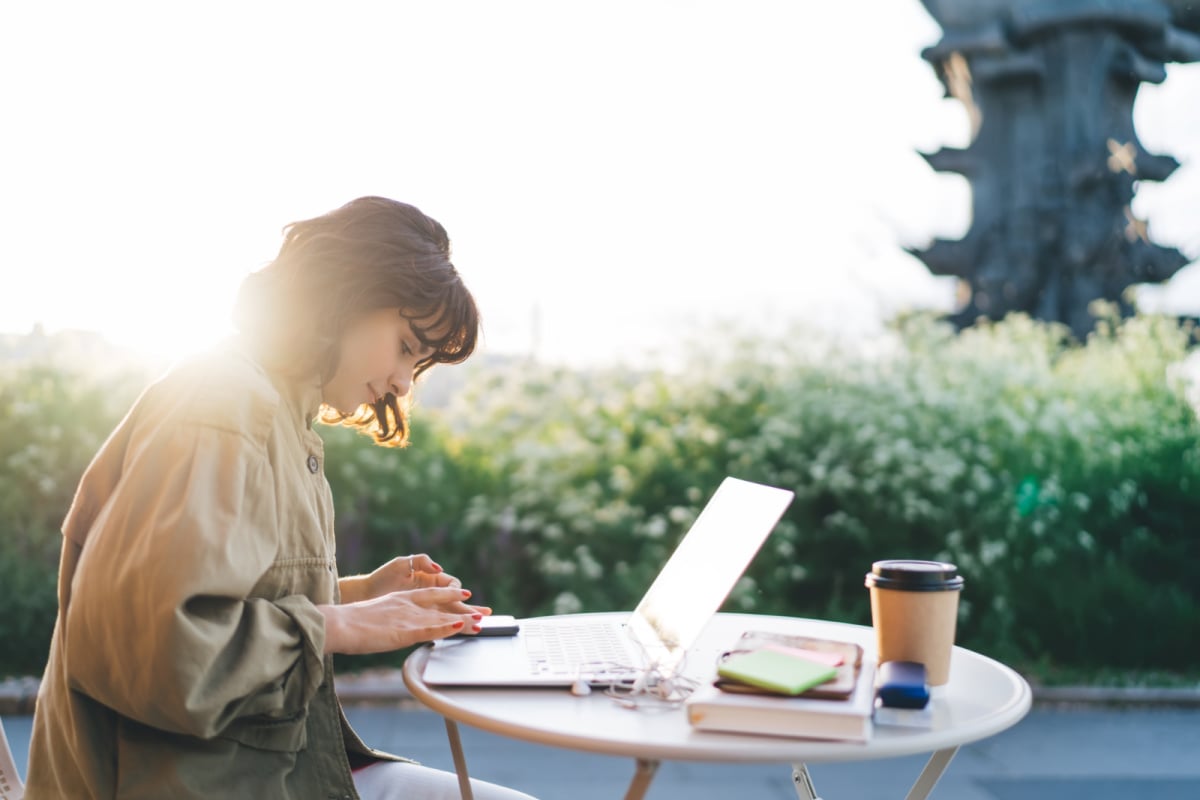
{"x":398,"y":619}
{"x":400,"y":574}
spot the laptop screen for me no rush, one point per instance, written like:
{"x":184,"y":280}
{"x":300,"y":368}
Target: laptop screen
{"x":704,"y":568}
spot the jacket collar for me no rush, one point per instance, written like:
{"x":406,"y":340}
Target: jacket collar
{"x":300,"y":395}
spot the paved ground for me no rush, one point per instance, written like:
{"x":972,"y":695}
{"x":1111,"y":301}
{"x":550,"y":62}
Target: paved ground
{"x":1062,"y":753}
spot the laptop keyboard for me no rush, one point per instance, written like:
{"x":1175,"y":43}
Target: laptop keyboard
{"x":563,"y":649}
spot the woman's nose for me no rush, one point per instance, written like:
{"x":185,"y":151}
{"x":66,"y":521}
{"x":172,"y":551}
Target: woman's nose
{"x":400,"y":385}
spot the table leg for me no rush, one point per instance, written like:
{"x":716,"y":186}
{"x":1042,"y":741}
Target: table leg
{"x":931,"y":774}
{"x":641,"y":779}
{"x":460,"y":761}
{"x":803,"y":783}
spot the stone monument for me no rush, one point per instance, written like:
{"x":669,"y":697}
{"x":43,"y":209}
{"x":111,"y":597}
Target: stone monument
{"x":1054,"y":160}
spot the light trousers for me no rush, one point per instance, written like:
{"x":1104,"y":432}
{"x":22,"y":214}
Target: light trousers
{"x":397,"y":780}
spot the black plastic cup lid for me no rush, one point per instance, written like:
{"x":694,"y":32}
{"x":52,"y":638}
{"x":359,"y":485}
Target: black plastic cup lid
{"x":915,"y":576}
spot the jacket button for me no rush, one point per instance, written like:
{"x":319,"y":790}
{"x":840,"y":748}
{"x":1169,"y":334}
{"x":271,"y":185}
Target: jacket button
{"x":313,"y":465}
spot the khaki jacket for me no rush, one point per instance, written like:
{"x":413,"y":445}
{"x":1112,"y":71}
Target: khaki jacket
{"x":187,"y":658}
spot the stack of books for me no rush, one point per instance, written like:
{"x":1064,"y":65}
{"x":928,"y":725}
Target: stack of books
{"x":795,"y":686}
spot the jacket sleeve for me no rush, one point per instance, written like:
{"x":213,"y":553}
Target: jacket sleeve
{"x":162,"y":624}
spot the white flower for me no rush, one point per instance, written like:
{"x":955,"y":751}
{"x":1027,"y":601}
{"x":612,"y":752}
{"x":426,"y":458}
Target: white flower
{"x":567,"y":603}
{"x":1185,"y":375}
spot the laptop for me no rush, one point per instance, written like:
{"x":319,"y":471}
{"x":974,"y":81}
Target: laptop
{"x":692,"y":585}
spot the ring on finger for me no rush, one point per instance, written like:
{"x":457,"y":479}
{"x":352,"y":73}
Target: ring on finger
{"x":412,"y":569}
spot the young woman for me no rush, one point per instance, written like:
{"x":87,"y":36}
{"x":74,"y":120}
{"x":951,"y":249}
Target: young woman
{"x":199,"y":600}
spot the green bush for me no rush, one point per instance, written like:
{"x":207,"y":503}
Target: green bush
{"x":51,"y":424}
{"x":1062,"y":479}
{"x":1056,"y":477}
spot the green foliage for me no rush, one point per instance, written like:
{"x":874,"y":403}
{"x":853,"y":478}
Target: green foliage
{"x":1061,"y":478}
{"x":51,"y":424}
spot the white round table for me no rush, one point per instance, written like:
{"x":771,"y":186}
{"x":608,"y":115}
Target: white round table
{"x":982,"y":698}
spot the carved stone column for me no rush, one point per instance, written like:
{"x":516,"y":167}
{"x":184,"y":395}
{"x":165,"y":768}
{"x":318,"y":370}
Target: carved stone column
{"x":1054,"y":160}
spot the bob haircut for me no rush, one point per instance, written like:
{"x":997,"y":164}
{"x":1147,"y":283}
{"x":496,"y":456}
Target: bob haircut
{"x":371,"y":253}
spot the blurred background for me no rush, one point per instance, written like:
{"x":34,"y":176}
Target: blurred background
{"x":610,"y":174}
{"x":686,"y":224}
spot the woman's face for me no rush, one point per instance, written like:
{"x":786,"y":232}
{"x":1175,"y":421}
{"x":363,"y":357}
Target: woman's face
{"x":378,"y":355}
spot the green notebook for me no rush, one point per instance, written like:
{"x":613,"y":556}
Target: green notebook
{"x":776,"y":671}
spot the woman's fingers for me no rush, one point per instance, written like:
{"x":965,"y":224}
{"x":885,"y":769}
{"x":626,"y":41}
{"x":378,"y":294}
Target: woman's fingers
{"x":436,"y":580}
{"x":401,"y":618}
{"x":448,"y":599}
{"x":423,"y":563}
{"x":433,"y":596}
{"x":425,"y":572}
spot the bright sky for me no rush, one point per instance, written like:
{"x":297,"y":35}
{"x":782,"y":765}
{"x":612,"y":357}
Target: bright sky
{"x":610,"y":173}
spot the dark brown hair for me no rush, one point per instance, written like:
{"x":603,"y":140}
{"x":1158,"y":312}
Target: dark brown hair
{"x":371,"y":253}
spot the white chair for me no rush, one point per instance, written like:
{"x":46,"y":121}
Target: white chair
{"x":11,"y":787}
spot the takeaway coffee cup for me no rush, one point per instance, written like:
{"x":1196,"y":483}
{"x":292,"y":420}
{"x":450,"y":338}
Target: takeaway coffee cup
{"x":914,"y":609}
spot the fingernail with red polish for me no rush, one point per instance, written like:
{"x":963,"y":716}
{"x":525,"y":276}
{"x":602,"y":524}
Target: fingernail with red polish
{"x":477,"y":628}
{"x":466,"y":593}
{"x":457,"y":625}
{"x":477,"y":617}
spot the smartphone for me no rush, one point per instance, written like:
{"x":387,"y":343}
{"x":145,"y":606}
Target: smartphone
{"x":495,"y":625}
